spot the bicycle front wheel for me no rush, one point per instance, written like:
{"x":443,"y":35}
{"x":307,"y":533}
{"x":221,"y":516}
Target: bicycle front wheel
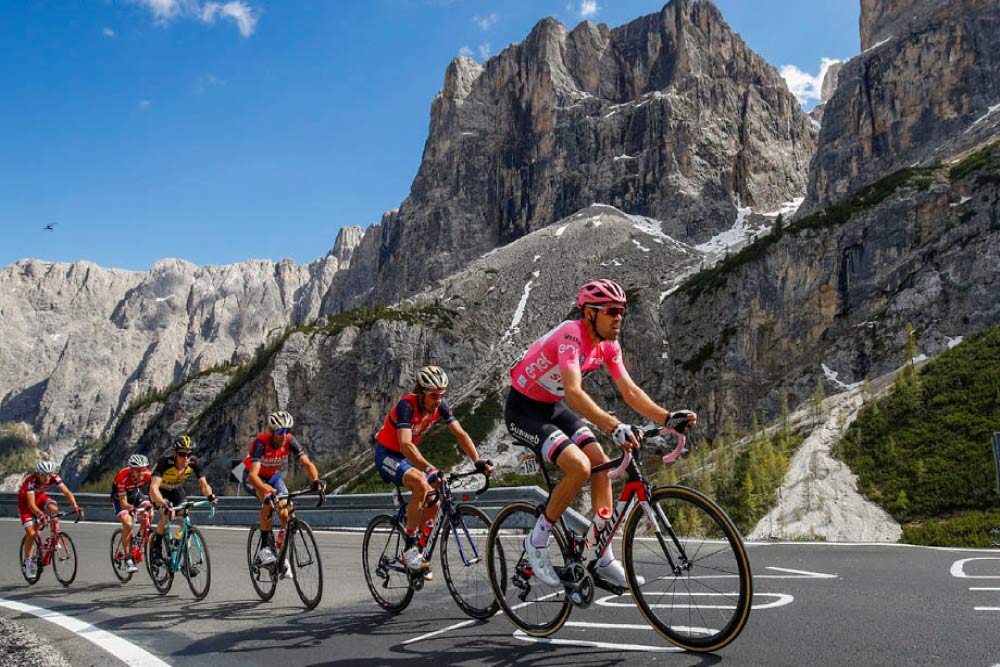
{"x":262,"y":577}
{"x":531,"y":605}
{"x":463,"y":562}
{"x":118,"y":557}
{"x":307,"y":568}
{"x":382,"y":560}
{"x":197,"y":567}
{"x":161,"y":572}
{"x":64,"y":559}
{"x":35,"y":556}
{"x":688,"y":569}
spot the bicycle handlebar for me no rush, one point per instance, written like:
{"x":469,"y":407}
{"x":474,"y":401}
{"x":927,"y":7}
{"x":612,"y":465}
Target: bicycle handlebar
{"x":626,"y":458}
{"x":188,"y":504}
{"x":454,"y":477}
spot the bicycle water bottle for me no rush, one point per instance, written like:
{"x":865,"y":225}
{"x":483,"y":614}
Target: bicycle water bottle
{"x":425,"y":532}
{"x":280,"y":540}
{"x":597,"y":528}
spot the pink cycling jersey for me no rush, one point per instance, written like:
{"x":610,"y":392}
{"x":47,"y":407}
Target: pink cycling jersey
{"x":538,"y":374}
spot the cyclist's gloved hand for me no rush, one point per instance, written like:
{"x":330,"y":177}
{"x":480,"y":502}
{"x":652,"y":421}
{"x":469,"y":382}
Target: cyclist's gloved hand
{"x":78,"y":511}
{"x":42,"y":519}
{"x":484,"y":466}
{"x":623,"y":436}
{"x":212,"y":498}
{"x":681,"y":421}
{"x":271,"y":499}
{"x":433,"y":475}
{"x":319,"y":485}
{"x":167,"y":509}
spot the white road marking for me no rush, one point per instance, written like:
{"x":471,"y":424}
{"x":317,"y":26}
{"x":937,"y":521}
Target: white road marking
{"x":576,"y":642}
{"x":782,"y":600}
{"x":986,"y":608}
{"x":439,"y":632}
{"x":958,"y":569}
{"x":805,"y":573}
{"x":124,"y":650}
{"x":978,"y":588}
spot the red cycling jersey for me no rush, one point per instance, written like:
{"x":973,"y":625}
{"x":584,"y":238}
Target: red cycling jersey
{"x":538,"y":374}
{"x":32,"y":483}
{"x":407,"y":414}
{"x":124,"y":483}
{"x":272,"y":458}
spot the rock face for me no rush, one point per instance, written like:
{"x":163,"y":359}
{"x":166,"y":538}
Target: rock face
{"x":81,"y":342}
{"x":670,"y":116}
{"x":927,"y":86}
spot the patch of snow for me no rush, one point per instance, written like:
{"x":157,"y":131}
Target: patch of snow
{"x":918,"y":359}
{"x":491,"y":252}
{"x":664,"y":295}
{"x":875,"y":46}
{"x":519,"y":311}
{"x":561,"y":230}
{"x":625,"y":157}
{"x":986,"y":115}
{"x":654,"y":228}
{"x":640,"y":246}
{"x":166,"y":298}
{"x":960,"y":202}
{"x":814,"y":122}
{"x":537,"y":257}
{"x":786,"y":209}
{"x":832,"y":376}
{"x":738,"y":233}
{"x":952,"y":342}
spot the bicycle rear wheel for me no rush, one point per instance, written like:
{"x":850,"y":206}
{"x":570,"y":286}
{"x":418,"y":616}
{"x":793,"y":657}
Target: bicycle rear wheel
{"x":263,"y":577}
{"x":119,"y":556}
{"x":531,"y":605}
{"x":307,"y":567}
{"x":64,"y":559}
{"x":382,"y":559}
{"x":162,"y":574}
{"x":463,"y":562}
{"x":698,"y":589}
{"x":35,"y":557}
{"x":197,"y":566}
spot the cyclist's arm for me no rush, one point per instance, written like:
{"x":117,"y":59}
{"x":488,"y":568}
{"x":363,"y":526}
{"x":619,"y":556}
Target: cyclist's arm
{"x":253,"y":476}
{"x":409,"y":450}
{"x":309,"y":467}
{"x":581,"y":403}
{"x":32,"y":507}
{"x":464,"y":441}
{"x":69,"y":495}
{"x":123,"y":501}
{"x":206,"y":488}
{"x":639,"y":401}
{"x":154,"y":490}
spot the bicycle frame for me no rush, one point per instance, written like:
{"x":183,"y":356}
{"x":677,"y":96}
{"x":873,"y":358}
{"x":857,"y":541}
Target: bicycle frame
{"x":175,"y":556}
{"x":293,"y":520}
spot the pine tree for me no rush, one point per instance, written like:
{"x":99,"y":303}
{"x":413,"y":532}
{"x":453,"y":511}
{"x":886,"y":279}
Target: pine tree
{"x":816,"y":403}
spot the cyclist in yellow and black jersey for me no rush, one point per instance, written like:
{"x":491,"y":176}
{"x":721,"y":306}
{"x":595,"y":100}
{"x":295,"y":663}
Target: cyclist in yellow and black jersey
{"x":167,"y":487}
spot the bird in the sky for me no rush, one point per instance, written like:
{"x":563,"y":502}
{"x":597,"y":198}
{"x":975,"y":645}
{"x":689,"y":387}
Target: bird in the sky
{"x":50,"y":227}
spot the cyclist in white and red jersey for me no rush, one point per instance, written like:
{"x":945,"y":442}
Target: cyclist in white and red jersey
{"x":34,"y":506}
{"x":126,"y":495}
{"x":262,"y":477}
{"x":545,"y":405}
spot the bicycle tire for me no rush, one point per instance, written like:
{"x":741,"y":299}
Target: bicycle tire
{"x":510,"y":577}
{"x":197,"y":564}
{"x":261,"y":576}
{"x":708,"y":616}
{"x":469,"y":583}
{"x":118,"y":557}
{"x":64,"y":559}
{"x":304,"y":554}
{"x":38,"y":561}
{"x":385,"y":572}
{"x":162,"y":574}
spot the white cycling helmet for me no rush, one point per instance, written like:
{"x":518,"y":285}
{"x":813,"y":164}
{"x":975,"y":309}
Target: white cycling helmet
{"x":46,"y":467}
{"x":430,"y":378}
{"x":138,"y":461}
{"x":280,"y":419}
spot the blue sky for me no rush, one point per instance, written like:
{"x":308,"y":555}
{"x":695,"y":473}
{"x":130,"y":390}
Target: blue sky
{"x":223,"y":131}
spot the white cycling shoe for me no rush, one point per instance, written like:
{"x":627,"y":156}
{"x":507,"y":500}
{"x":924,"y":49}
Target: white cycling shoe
{"x":541,"y":562}
{"x":130,"y":565}
{"x":265,"y":556}
{"x":415,"y":560}
{"x":615,"y":573}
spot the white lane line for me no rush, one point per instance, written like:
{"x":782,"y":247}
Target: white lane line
{"x":805,"y":573}
{"x":983,"y":588}
{"x":986,"y":608}
{"x":518,"y":634}
{"x":439,"y":632}
{"x":958,"y":569}
{"x":124,"y":650}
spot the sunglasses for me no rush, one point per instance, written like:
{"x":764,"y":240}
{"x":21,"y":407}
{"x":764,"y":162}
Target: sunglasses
{"x":183,"y":455}
{"x":282,"y":431}
{"x":611,"y":311}
{"x":435,"y":394}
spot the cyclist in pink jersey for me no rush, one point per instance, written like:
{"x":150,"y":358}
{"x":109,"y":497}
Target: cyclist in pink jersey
{"x":545,"y":405}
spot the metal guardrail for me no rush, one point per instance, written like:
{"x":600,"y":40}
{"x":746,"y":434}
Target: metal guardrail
{"x":339,"y":511}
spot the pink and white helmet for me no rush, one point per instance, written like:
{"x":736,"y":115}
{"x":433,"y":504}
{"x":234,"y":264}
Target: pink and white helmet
{"x":600,"y":291}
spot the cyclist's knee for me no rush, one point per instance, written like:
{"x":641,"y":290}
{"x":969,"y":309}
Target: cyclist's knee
{"x":575,"y":466}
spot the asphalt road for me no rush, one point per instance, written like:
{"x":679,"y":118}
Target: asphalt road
{"x":814,"y":604}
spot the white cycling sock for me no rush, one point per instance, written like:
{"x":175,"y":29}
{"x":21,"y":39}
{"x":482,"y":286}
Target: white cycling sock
{"x":542,"y":532}
{"x":608,"y":556}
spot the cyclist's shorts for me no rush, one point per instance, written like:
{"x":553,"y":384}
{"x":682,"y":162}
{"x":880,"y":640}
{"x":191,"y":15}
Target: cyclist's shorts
{"x":274,"y":481}
{"x":391,"y":465}
{"x":134,"y":497}
{"x":174,"y":496}
{"x":544,"y":426}
{"x":41,"y":500}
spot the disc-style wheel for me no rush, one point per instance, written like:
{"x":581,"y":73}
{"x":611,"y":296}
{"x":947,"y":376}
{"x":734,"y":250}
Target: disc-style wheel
{"x":38,"y":561}
{"x":118,"y":557}
{"x":463,"y":562}
{"x":197,"y":566}
{"x":689,"y":573}
{"x":263,"y":577}
{"x":64,"y":559}
{"x":382,"y":561}
{"x":307,"y":568}
{"x":534,"y":607}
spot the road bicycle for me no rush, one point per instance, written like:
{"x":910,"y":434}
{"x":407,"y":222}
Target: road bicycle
{"x":56,"y":550}
{"x":298,"y":548}
{"x":462,"y":529}
{"x":685,"y":563}
{"x":187,"y":552}
{"x":142,"y":533}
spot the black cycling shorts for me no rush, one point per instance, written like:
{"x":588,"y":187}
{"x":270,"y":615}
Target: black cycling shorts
{"x":174,"y":496}
{"x":544,"y":426}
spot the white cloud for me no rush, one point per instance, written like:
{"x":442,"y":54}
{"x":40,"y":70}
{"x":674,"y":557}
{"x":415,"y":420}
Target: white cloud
{"x":108,"y":32}
{"x":145,"y":104}
{"x":237,"y":11}
{"x":588,"y":8}
{"x":485,"y":22}
{"x":803,"y":85}
{"x":465,"y":51}
{"x":484,"y":50}
{"x":206,"y":81}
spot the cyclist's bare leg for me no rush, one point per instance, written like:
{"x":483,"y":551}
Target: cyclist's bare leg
{"x":576,"y":470}
{"x":416,"y":482}
{"x":600,"y":485}
{"x":126,"y":520}
{"x":29,"y":541}
{"x":266,"y":522}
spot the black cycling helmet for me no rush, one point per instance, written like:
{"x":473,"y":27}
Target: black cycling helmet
{"x":183,"y":443}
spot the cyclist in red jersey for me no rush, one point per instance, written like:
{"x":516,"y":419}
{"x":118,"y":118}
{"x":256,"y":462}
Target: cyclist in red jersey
{"x":545,"y":405}
{"x":126,"y":496}
{"x":262,"y":477}
{"x":34,"y":506}
{"x":398,"y":458}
